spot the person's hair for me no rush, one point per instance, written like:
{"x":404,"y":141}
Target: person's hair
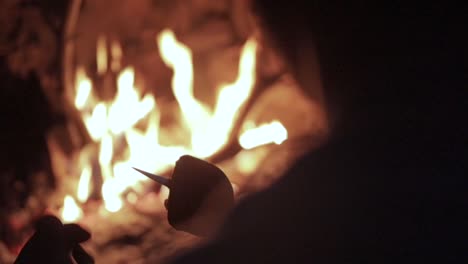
{"x":288,"y":23}
{"x":297,"y":27}
{"x":372,"y":54}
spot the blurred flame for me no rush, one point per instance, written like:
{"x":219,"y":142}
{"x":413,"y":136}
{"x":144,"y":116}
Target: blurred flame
{"x":273,"y":132}
{"x":127,"y":109}
{"x":101,"y":52}
{"x":132,"y":197}
{"x":84,"y":87}
{"x":116,"y":52}
{"x":179,"y":57}
{"x":110,"y":194}
{"x":164,"y":194}
{"x":112,"y":125}
{"x":71,"y":212}
{"x":210,"y":131}
{"x":84,"y":184}
{"x":230,"y":99}
{"x":96,"y":122}
{"x":105,"y":153}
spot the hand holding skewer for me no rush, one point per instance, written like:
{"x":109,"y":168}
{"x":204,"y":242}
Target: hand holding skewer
{"x":55,"y":243}
{"x":200,"y":195}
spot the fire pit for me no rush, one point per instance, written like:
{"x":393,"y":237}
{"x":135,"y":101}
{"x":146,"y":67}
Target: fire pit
{"x":144,"y":84}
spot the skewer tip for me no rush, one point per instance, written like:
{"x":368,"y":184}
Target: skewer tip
{"x":159,"y":179}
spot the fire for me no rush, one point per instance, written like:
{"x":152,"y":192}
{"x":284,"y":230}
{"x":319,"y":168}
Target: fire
{"x":126,"y":129}
{"x":95,"y":123}
{"x":230,"y":99}
{"x":84,"y":89}
{"x":84,"y":184}
{"x":110,"y":191}
{"x":273,"y":132}
{"x":71,"y":211}
{"x":210,"y":130}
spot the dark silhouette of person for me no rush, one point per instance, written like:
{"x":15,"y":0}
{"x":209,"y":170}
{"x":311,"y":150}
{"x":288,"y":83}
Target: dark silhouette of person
{"x":389,"y":184}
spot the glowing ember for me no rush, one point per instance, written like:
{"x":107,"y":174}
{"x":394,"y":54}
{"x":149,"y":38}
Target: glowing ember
{"x":71,"y":212}
{"x":273,"y":132}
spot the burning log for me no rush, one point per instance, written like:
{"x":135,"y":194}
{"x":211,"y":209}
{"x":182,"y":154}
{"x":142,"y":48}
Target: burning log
{"x":201,"y":196}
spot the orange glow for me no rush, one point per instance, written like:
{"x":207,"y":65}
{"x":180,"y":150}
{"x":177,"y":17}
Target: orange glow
{"x":179,"y":57}
{"x":164,"y":194}
{"x":101,"y":55}
{"x":126,"y":129}
{"x":127,"y":108}
{"x":84,"y":184}
{"x":71,"y":212}
{"x":273,"y":132}
{"x":116,"y":52}
{"x":84,"y":88}
{"x":230,"y":99}
{"x":105,"y":156}
{"x":110,"y":193}
{"x":210,"y":130}
{"x":132,"y":198}
{"x":96,"y":123}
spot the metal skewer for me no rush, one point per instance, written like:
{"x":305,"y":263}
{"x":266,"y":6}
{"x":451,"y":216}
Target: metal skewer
{"x":159,"y":179}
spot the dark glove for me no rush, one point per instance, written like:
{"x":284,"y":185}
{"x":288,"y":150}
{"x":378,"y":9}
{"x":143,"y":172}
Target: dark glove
{"x":55,"y":243}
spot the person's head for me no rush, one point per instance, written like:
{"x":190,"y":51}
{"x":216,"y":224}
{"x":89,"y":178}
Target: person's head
{"x":302,"y":32}
{"x":285,"y":27}
{"x":337,"y":52}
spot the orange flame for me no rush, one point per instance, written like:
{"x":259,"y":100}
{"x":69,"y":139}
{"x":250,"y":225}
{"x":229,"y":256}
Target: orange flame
{"x":273,"y":132}
{"x":84,"y":87}
{"x":84,"y":184}
{"x":71,"y":212}
{"x":108,"y":123}
{"x":101,"y":51}
{"x":179,"y":57}
{"x":96,"y":122}
{"x":230,"y":99}
{"x":210,"y":131}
